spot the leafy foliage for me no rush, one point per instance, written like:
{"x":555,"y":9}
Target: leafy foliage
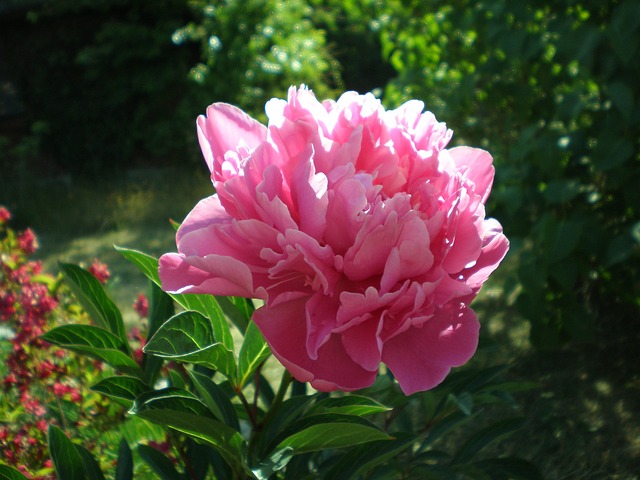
{"x":226,"y":421}
{"x":550,"y":91}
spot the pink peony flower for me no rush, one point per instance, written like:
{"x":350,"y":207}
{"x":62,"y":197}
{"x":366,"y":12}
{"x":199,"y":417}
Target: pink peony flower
{"x":365,"y":238}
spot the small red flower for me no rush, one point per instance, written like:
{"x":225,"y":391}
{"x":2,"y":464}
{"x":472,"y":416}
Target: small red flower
{"x":100,"y":271}
{"x":5,"y":215}
{"x":141,"y":305}
{"x":28,"y":242}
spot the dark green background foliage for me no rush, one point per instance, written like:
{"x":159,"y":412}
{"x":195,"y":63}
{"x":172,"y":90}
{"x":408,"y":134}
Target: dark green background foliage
{"x":549,"y":88}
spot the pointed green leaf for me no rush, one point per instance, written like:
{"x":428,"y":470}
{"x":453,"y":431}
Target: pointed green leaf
{"x":161,"y":308}
{"x":478,"y":440}
{"x":276,"y":461}
{"x":189,"y":337}
{"x":320,"y":432}
{"x":365,"y":457}
{"x":124,"y":468}
{"x":145,"y":263}
{"x":204,"y":304}
{"x":91,"y":467}
{"x":237,"y":310}
{"x":160,"y":464}
{"x":94,"y":300}
{"x":66,"y":459}
{"x":348,"y":405}
{"x":8,"y":473}
{"x":253,"y":352}
{"x":227,"y":441}
{"x":170,"y":398}
{"x":95,"y":342}
{"x":214,"y":397}
{"x":121,"y":387}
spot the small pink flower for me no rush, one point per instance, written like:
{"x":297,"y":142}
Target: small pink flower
{"x":100,"y":271}
{"x":141,"y":305}
{"x":28,"y":242}
{"x":5,"y":215}
{"x":364,"y":236}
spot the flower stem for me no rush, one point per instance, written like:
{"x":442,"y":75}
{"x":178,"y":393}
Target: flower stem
{"x":277,"y":400}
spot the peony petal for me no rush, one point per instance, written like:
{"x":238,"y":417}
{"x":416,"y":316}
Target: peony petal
{"x":494,"y":250}
{"x":421,"y":357}
{"x":285,"y":330}
{"x":214,"y":274}
{"x":362,"y":343}
{"x":225,"y":128}
{"x":207,"y":212}
{"x":475,"y":165}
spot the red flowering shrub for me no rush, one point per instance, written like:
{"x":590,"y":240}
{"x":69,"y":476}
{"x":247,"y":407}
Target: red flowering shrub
{"x":41,"y":385}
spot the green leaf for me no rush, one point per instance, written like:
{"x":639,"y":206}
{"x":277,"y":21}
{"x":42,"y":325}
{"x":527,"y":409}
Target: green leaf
{"x":480,"y":439}
{"x":214,"y":397}
{"x":348,"y":405}
{"x":253,"y":352}
{"x":365,"y":457}
{"x":91,"y":467}
{"x":320,"y":432}
{"x":189,"y":337}
{"x":9,"y":473}
{"x":94,"y":300}
{"x":124,"y":468}
{"x":121,"y":388}
{"x":66,"y":459}
{"x":159,"y":463}
{"x":274,"y":462}
{"x":176,"y":399}
{"x":161,"y":308}
{"x":227,"y":441}
{"x":511,"y":468}
{"x":96,"y":343}
{"x":237,"y":310}
{"x":207,"y":305}
{"x":284,"y":415}
{"x":145,"y":263}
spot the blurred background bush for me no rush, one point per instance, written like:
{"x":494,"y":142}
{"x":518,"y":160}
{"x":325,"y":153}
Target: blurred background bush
{"x":105,"y":92}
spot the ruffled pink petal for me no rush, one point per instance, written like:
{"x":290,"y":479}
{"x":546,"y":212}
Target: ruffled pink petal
{"x":225,"y":128}
{"x":284,"y":327}
{"x":495,"y":248}
{"x":363,"y":344}
{"x":207,"y":212}
{"x":421,"y":357}
{"x":214,"y":274}
{"x":475,"y":165}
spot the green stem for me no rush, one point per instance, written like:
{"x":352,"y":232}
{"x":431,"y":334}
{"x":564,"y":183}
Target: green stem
{"x":282,"y":390}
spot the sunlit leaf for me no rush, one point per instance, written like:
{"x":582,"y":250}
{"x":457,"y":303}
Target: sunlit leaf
{"x":253,"y":352}
{"x":204,"y":304}
{"x":94,"y":300}
{"x":348,"y":405}
{"x":214,"y":397}
{"x":189,"y":337}
{"x":320,"y":432}
{"x":95,"y":342}
{"x":121,"y":387}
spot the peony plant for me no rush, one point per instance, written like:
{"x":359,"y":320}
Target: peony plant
{"x":347,"y":241}
{"x":363,"y":235}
